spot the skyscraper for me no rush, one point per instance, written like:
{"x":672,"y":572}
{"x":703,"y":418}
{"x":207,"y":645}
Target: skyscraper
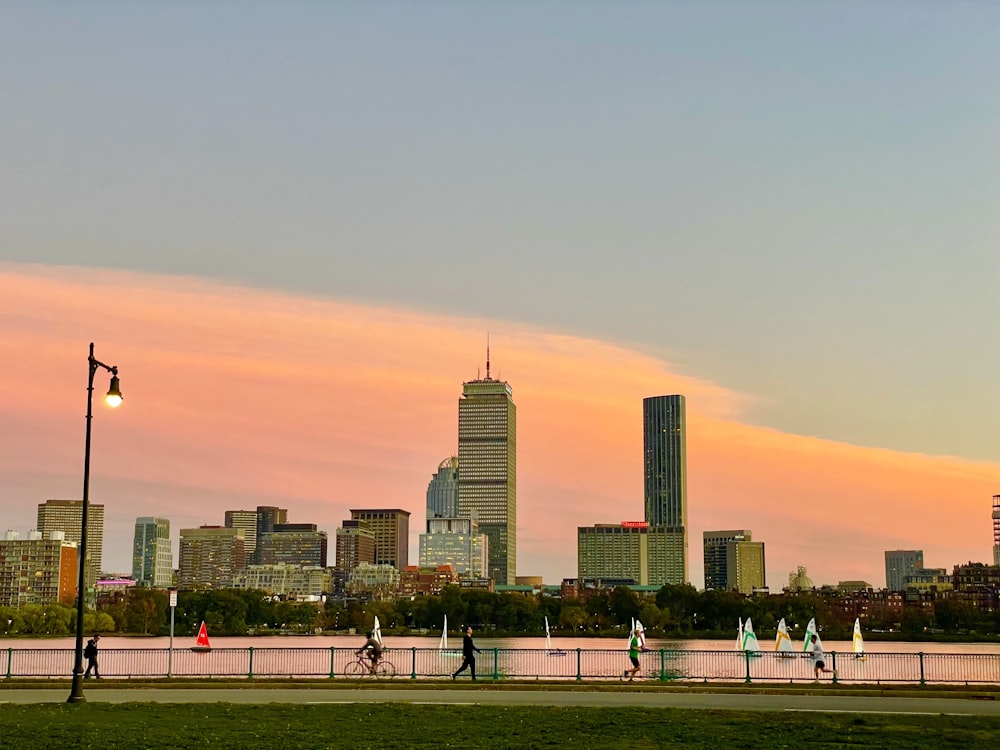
{"x":246,"y":520}
{"x":996,"y":529}
{"x":665,"y":478}
{"x":442,"y":492}
{"x":152,"y":560}
{"x":391,"y":528}
{"x":67,"y":516}
{"x":487,"y":469}
{"x":733,"y":561}
{"x":209,"y":557}
{"x":900,"y":563}
{"x":268,"y":516}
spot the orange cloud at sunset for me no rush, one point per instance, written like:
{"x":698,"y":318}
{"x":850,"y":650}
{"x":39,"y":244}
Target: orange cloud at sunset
{"x":236,"y":397}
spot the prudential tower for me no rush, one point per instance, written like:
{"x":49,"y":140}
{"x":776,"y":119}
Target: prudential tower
{"x":487,"y":468}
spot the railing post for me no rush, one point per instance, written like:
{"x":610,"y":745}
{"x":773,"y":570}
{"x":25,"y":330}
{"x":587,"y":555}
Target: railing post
{"x":10,"y":658}
{"x":663,"y":666}
{"x":746,"y":658}
{"x":413,"y":663}
{"x":333,"y":661}
{"x":578,"y":677}
{"x":250,"y":675}
{"x":921,"y":655}
{"x":833,"y":666}
{"x":496,"y":664}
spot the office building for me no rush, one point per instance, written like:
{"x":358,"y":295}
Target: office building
{"x":442,"y":491}
{"x":355,"y":545}
{"x":900,"y":563}
{"x":247,"y":521}
{"x":292,"y":581}
{"x":152,"y":559}
{"x":37,"y":570}
{"x":630,"y":550}
{"x":67,"y":516}
{"x":733,"y":561}
{"x":487,"y":469}
{"x":378,"y":580}
{"x":665,"y":480}
{"x":268,"y":516}
{"x":210,"y":557}
{"x":293,"y":544}
{"x":391,"y":528}
{"x":455,"y":542}
{"x":996,"y":529}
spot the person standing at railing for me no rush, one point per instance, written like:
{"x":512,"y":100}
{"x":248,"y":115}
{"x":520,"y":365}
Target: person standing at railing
{"x":90,"y":652}
{"x":469,"y":652}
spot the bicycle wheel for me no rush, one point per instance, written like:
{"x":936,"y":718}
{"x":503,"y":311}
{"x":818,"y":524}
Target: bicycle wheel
{"x":385,"y":670}
{"x":356,"y":669}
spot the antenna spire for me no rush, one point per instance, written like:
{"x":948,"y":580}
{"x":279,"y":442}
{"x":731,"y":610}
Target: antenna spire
{"x":487,"y":356}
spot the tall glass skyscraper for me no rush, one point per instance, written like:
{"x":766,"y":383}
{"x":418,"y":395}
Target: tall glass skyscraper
{"x":487,"y":469}
{"x":442,"y":492}
{"x":152,"y":558}
{"x":664,"y":431}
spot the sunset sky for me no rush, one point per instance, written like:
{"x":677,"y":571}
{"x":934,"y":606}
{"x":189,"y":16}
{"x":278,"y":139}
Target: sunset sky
{"x":292,"y":227}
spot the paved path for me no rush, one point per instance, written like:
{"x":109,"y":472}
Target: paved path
{"x":827,"y":702}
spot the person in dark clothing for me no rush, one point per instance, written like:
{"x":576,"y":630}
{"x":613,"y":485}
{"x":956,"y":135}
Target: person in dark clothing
{"x":469,"y":651}
{"x":91,"y":653}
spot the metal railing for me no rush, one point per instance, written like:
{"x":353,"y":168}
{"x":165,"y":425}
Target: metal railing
{"x":515,"y":664}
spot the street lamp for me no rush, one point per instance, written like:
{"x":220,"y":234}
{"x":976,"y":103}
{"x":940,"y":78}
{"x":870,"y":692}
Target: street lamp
{"x":113,"y":399}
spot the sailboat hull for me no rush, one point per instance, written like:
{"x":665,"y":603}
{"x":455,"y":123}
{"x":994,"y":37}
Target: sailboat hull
{"x":201,"y":649}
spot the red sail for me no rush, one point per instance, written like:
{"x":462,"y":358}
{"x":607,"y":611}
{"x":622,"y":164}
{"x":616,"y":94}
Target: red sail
{"x":203,"y":637}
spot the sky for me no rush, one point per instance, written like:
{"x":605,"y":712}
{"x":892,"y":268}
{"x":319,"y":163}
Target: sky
{"x":292,"y":227}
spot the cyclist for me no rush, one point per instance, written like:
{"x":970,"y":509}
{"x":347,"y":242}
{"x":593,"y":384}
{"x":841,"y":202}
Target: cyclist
{"x":373,"y":650}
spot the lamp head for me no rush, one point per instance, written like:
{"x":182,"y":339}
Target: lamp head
{"x":114,"y":397}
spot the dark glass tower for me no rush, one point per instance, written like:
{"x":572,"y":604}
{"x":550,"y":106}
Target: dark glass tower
{"x":664,"y":430}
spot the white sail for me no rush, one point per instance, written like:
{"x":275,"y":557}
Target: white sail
{"x":749,"y":637}
{"x":642,"y":634}
{"x":859,"y":641}
{"x":812,"y":637}
{"x":783,"y":641}
{"x":443,"y":643}
{"x":377,"y":630}
{"x":739,"y":635}
{"x":548,"y":635}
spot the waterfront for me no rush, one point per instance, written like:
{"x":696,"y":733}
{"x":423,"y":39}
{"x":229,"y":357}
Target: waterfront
{"x":503,"y":659}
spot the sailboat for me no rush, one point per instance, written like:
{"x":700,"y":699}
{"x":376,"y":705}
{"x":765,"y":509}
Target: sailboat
{"x":739,"y":635}
{"x":202,"y":645}
{"x":859,"y":642}
{"x":637,"y":625}
{"x":812,"y":640}
{"x":750,"y":643}
{"x":548,"y":642}
{"x":443,"y":643}
{"x":377,"y":631}
{"x":783,"y":641}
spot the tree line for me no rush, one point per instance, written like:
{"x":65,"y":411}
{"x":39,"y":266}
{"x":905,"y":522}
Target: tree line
{"x":678,"y":611}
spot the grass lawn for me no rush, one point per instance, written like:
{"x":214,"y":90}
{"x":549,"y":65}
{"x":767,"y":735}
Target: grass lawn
{"x":384,"y":726}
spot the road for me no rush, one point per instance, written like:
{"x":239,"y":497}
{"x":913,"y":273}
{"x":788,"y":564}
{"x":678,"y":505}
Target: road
{"x":826,"y":701}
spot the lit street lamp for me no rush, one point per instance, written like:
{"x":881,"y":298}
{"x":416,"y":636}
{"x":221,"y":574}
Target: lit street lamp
{"x":113,"y":399}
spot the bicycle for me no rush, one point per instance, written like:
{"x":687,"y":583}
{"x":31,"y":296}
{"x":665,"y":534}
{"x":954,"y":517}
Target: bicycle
{"x":361,"y":667}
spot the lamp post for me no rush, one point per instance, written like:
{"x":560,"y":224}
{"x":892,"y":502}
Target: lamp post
{"x":113,"y":399}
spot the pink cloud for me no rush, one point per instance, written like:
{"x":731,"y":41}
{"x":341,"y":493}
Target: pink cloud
{"x":237,"y":397}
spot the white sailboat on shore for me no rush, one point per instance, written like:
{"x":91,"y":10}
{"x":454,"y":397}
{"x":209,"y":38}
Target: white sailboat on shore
{"x":859,"y":641}
{"x":548,"y":642}
{"x":783,"y":641}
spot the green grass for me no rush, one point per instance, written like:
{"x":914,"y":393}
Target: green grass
{"x":387,"y":726}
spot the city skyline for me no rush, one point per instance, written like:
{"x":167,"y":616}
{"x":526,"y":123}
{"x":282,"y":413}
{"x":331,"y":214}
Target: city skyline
{"x":294,"y":253}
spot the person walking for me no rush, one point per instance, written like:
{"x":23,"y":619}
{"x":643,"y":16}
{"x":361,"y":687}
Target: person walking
{"x":819,"y":658}
{"x":634,"y":647}
{"x":90,"y":652}
{"x":469,"y":652}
